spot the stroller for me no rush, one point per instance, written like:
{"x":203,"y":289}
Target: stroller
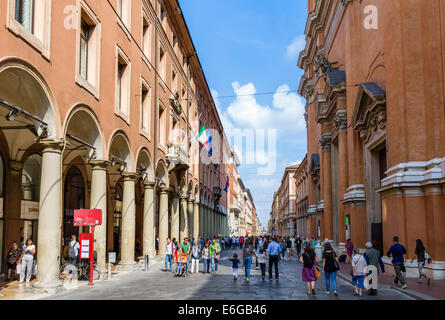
{"x":182,"y":269}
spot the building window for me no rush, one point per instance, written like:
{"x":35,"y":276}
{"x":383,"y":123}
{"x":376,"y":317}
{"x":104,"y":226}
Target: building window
{"x":84,"y":38}
{"x":163,"y":16}
{"x":124,"y":11}
{"x":146,"y":37}
{"x":123,"y":76}
{"x":174,"y":81}
{"x":162,"y":128}
{"x":145,"y":109}
{"x":88,"y":50}
{"x":24,"y":14}
{"x":31,"y":20}
{"x":162,"y":63}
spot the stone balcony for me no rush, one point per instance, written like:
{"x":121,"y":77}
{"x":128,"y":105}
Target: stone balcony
{"x":177,"y":158}
{"x":236,"y":207}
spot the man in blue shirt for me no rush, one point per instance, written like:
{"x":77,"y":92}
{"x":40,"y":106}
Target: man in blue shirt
{"x":397,"y":251}
{"x":274,"y":250}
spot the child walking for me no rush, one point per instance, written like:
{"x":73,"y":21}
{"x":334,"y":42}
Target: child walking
{"x":262,"y":260}
{"x":235,"y":263}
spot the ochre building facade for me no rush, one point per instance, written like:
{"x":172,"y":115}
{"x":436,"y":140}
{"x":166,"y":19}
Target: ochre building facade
{"x":374,"y":85}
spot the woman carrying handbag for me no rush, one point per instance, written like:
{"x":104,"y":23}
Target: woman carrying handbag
{"x":309,"y":260}
{"x":330,"y":267}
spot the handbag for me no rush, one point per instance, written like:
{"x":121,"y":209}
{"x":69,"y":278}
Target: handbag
{"x":19,"y":267}
{"x":317,"y":272}
{"x":34,"y":268}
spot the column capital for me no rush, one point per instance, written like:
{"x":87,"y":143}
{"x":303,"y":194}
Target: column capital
{"x":148,"y":184}
{"x":129,"y":176}
{"x":16,"y":167}
{"x":195,"y":202}
{"x":325,"y":142}
{"x":100,"y":164}
{"x":164,"y":190}
{"x":52,"y":145}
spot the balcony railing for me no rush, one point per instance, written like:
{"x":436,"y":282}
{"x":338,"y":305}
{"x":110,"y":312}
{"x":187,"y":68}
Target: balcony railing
{"x":177,"y":158}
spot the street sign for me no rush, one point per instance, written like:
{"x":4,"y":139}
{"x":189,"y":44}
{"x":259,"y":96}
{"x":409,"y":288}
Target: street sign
{"x":87,"y":217}
{"x":86,"y":246}
{"x":111,"y":257}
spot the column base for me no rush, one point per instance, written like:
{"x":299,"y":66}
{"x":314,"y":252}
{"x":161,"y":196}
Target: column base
{"x":127,"y":266}
{"x":48,"y":287}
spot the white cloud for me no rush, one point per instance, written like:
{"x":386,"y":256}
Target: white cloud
{"x":297,"y":45}
{"x":285,"y":115}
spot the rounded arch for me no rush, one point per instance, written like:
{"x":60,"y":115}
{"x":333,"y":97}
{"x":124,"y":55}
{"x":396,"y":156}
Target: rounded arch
{"x":23,"y":86}
{"x":120,"y":147}
{"x":83,"y":123}
{"x":161,"y":172}
{"x":144,"y":163}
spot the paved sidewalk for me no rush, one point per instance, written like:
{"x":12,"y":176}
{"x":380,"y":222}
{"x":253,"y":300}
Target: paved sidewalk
{"x":436,"y":289}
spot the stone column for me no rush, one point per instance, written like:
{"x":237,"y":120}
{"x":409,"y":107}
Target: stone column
{"x":196,"y":219}
{"x":163,"y":220}
{"x":98,"y":200}
{"x":327,"y":230}
{"x":175,"y":218}
{"x":148,"y":221}
{"x":128,"y":223}
{"x":342,"y":169}
{"x":50,"y":214}
{"x":183,"y":230}
{"x":191,"y":219}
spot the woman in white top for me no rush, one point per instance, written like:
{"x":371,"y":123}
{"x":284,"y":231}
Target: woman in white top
{"x":27,"y":261}
{"x":168,"y":255}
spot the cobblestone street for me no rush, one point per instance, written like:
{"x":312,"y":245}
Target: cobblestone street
{"x":156,"y":284}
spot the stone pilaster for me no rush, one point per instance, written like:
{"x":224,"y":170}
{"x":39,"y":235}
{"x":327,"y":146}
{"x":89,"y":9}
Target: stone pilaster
{"x":163,"y":219}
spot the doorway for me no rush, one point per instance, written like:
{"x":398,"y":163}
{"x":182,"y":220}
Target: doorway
{"x":117,"y":219}
{"x":74,"y":198}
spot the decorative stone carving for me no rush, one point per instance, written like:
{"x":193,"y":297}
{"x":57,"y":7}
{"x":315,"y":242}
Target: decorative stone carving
{"x":340,"y":120}
{"x":325,"y":142}
{"x":375,"y":124}
{"x":174,"y":102}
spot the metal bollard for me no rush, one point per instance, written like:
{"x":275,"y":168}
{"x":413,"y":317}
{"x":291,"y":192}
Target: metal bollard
{"x":146,"y":262}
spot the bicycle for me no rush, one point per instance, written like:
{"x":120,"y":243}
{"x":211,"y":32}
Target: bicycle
{"x":82,"y":270}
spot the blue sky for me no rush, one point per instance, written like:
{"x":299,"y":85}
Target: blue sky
{"x":247,"y":47}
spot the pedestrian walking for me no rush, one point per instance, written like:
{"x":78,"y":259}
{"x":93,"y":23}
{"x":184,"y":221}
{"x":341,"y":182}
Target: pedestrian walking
{"x":373,"y":258}
{"x":273,"y":249}
{"x":349,"y":248}
{"x":358,"y":272}
{"x":206,"y":257}
{"x":240,"y":242}
{"x":26,"y":261}
{"x":215,"y":253}
{"x":262,"y":260}
{"x":157,"y":245}
{"x":422,"y":256}
{"x":397,"y":251}
{"x":298,"y":244}
{"x":235,"y":263}
{"x":14,"y":254}
{"x":282,"y":248}
{"x":169,"y":248}
{"x":195,"y":256}
{"x":246,"y":256}
{"x":330,"y":268}
{"x":309,"y":260}
{"x":73,"y":251}
{"x":175,"y":251}
{"x":288,"y":248}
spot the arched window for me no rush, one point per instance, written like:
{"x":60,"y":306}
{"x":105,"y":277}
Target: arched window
{"x":31,"y":178}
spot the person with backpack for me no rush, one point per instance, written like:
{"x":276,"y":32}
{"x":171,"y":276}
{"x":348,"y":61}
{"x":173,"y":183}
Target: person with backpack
{"x":330,"y":267}
{"x":373,"y":258}
{"x":397,"y":251}
{"x":73,"y":251}
{"x":309,"y":260}
{"x":358,"y":272}
{"x":422,"y":256}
